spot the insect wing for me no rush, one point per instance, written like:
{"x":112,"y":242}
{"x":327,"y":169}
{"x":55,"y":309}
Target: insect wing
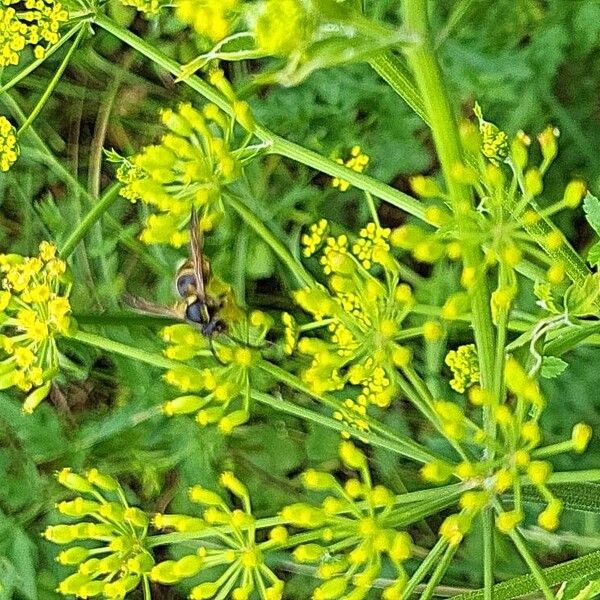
{"x":196,"y":244}
{"x":151,"y":308}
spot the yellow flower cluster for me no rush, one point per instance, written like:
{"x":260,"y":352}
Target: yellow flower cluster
{"x":281,"y":26}
{"x":29,"y":22}
{"x":116,"y":567}
{"x":232,"y":549}
{"x":214,"y":19}
{"x":357,"y":161}
{"x":312,"y":240}
{"x":360,"y":321}
{"x":358,"y":532}
{"x":517,"y":455}
{"x":148,"y":7}
{"x":494,"y":142}
{"x":464,"y":364}
{"x":224,"y":374}
{"x":189,"y":168}
{"x":34,"y":302}
{"x":9,"y":148}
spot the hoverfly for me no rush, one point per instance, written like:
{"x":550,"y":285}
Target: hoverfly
{"x":197,"y":307}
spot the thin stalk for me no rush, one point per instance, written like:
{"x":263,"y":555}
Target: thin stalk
{"x":534,"y":568}
{"x":100,"y":206}
{"x":487,"y":521}
{"x":439,"y":572}
{"x":405,"y":448}
{"x":52,"y":85}
{"x":424,"y":568}
{"x":150,"y":358}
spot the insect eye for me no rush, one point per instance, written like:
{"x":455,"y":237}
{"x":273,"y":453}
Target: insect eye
{"x":185,"y":283}
{"x":195,"y":313}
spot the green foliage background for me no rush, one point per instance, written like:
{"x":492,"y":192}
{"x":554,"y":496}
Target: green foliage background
{"x":528,"y":63}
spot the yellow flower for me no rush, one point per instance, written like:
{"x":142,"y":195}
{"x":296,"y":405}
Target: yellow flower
{"x":36,"y":304}
{"x":189,"y":168}
{"x":357,"y":161}
{"x":9,"y":148}
{"x":358,"y":512}
{"x":213,"y":19}
{"x":281,"y":26}
{"x":464,"y":364}
{"x":118,"y":565}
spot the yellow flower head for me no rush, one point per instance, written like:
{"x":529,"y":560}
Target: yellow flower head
{"x":357,"y":511}
{"x":213,"y":19}
{"x":357,"y":161}
{"x":189,"y":168}
{"x":237,"y":545}
{"x":464,"y":364}
{"x":101,"y":515}
{"x":9,"y":148}
{"x":216,"y":388}
{"x":29,"y":22}
{"x":35,"y":302}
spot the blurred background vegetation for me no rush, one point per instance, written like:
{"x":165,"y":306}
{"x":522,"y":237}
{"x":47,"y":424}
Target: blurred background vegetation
{"x":529,"y":63}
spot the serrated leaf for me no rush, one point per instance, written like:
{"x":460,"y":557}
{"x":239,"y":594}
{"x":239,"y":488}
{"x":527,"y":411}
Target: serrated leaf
{"x":552,"y":366}
{"x":591,"y":207}
{"x":593,"y":256}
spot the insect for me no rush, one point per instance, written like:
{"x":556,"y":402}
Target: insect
{"x":197,"y":307}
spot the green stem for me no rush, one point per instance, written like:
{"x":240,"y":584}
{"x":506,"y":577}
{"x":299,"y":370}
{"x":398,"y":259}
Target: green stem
{"x":417,"y":452}
{"x":100,"y":206}
{"x":444,"y":129}
{"x":392,"y":70}
{"x":534,"y":568}
{"x":487,"y":521}
{"x":277,"y":145}
{"x":286,"y":257}
{"x":406,"y":448}
{"x":587,"y":476}
{"x":438,"y":573}
{"x":424,"y":568}
{"x":150,"y":358}
{"x":52,"y":85}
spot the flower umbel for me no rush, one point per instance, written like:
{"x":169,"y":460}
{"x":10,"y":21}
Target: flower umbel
{"x":9,"y":148}
{"x":190,"y":167}
{"x":29,"y":22}
{"x":224,"y":372}
{"x":231,"y":547}
{"x":121,"y":562}
{"x":36,"y":312}
{"x":357,"y":161}
{"x":359,"y":534}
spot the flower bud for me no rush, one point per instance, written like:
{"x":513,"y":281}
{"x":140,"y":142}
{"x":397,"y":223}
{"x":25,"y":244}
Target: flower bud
{"x":307,"y":553}
{"x":507,"y":521}
{"x":581,"y":436}
{"x":74,"y":482}
{"x":574,"y":193}
{"x":351,"y":456}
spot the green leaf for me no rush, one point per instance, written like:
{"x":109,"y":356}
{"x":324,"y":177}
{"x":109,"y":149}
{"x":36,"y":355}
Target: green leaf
{"x":593,"y":256}
{"x":552,"y":366}
{"x":581,"y":589}
{"x":526,"y":584}
{"x":591,"y":207}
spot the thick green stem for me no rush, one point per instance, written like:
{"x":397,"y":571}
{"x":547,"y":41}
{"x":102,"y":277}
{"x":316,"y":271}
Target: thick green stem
{"x":444,"y":129}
